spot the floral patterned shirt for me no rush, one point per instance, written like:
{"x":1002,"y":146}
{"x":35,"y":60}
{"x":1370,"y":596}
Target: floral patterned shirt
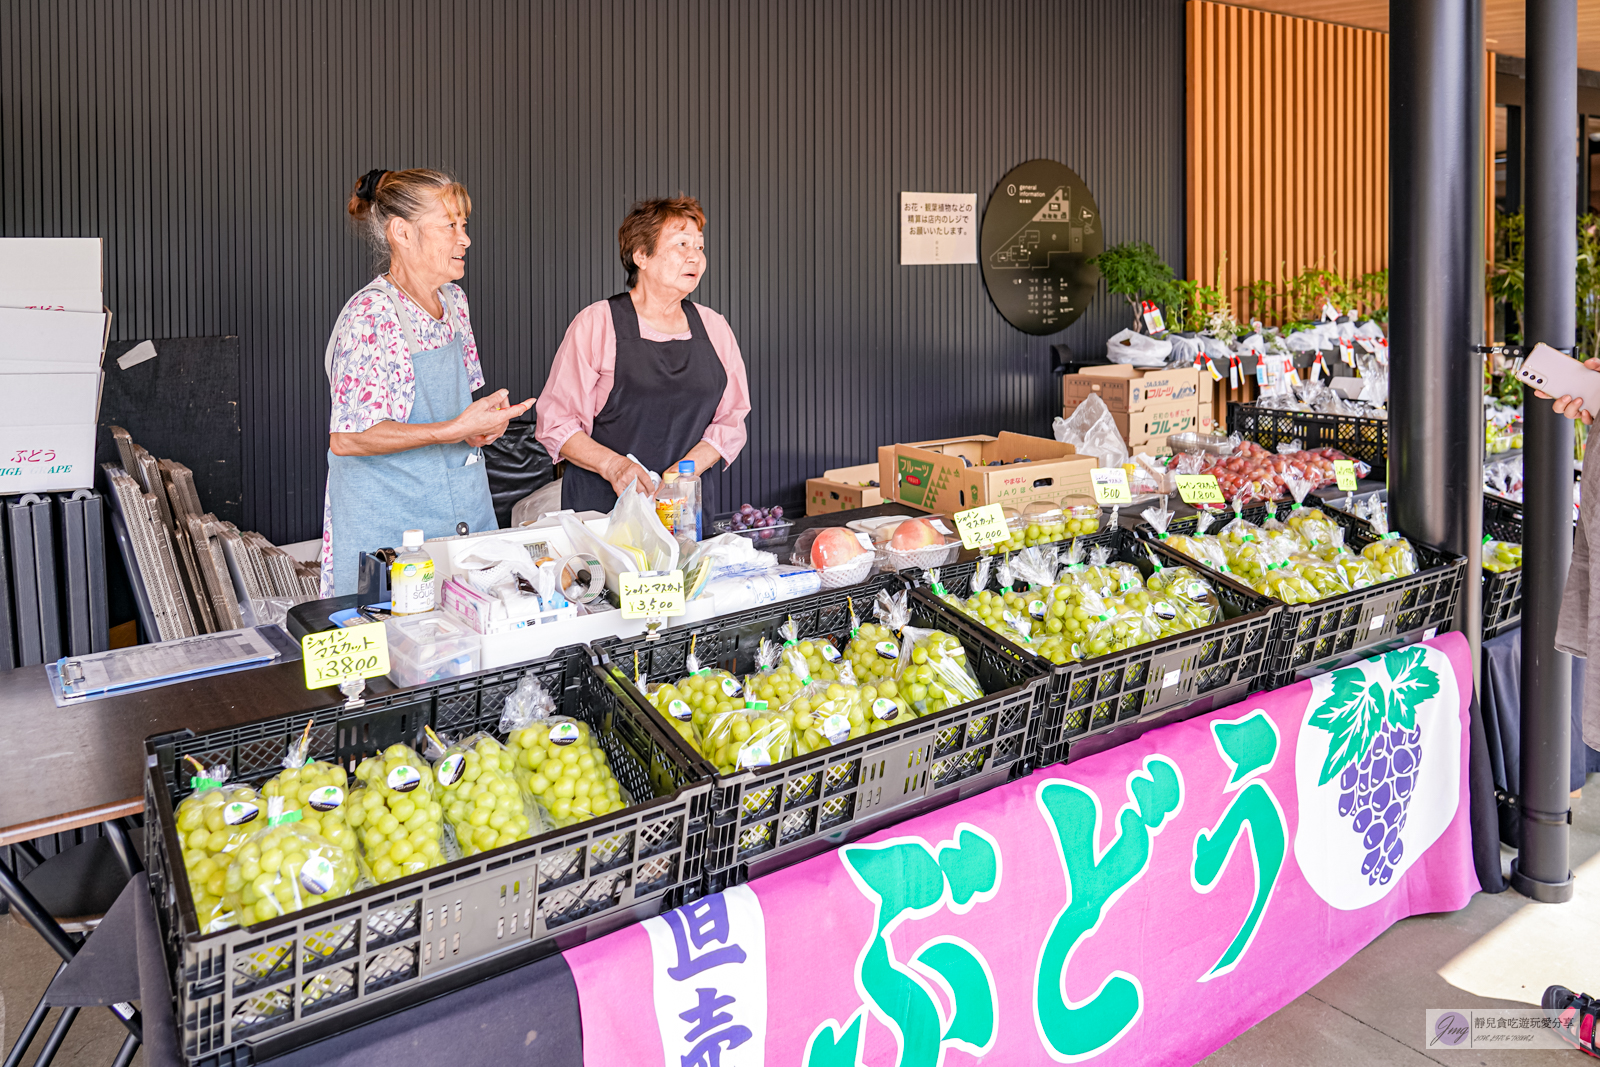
{"x":371,"y":376}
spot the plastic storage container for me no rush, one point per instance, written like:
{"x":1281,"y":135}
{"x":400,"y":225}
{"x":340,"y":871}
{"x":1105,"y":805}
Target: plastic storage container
{"x":1328,"y":633}
{"x":1196,"y":671}
{"x":250,"y":993}
{"x":768,"y":818}
{"x":430,"y":648}
{"x":1357,"y":437}
{"x":1502,"y":592}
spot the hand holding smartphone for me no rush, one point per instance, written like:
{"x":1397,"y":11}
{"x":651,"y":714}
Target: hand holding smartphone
{"x":1554,"y":376}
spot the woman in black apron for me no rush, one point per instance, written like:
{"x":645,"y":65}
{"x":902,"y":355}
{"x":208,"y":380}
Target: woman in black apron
{"x":646,"y":378}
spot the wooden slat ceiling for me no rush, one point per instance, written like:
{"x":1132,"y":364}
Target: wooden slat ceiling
{"x":1502,"y":22}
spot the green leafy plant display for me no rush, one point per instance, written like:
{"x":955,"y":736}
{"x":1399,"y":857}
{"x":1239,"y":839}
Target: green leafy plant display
{"x":1135,"y":272}
{"x":1296,"y":301}
{"x":1506,"y":275}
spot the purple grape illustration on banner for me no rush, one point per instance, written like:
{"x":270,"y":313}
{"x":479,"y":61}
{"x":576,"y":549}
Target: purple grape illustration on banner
{"x":1375,"y":752}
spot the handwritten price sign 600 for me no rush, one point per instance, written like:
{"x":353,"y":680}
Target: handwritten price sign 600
{"x":342,"y":655}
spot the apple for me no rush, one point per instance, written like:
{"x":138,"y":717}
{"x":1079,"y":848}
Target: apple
{"x":834,"y":547}
{"x":914,"y":534}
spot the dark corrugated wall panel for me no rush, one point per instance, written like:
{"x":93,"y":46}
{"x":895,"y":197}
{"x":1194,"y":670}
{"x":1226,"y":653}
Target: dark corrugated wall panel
{"x":212,"y":144}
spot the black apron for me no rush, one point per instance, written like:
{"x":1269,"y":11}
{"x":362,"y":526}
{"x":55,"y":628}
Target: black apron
{"x":663,"y":396}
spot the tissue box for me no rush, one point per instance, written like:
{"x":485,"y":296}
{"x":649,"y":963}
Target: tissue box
{"x":429,"y":648}
{"x":491,"y":615}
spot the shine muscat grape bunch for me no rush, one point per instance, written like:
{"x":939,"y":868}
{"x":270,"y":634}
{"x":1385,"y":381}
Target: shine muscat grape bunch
{"x":285,"y":867}
{"x":213,"y":822}
{"x":485,"y":804}
{"x":397,"y":814}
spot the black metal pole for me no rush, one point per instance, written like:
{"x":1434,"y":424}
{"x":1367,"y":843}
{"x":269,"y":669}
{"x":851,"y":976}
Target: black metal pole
{"x":1436,"y":281}
{"x":1436,"y":296}
{"x":1550,"y":261}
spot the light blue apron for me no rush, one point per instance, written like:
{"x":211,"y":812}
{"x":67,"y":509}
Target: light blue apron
{"x":373,"y":500}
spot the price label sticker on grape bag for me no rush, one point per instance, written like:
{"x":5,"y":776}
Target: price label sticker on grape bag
{"x":652,"y":594}
{"x":982,"y":527}
{"x":346,"y":654}
{"x":1199,"y":489}
{"x":1110,"y":486}
{"x":1344,"y":473}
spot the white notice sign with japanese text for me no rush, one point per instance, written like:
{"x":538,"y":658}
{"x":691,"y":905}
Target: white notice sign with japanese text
{"x":938,"y":228}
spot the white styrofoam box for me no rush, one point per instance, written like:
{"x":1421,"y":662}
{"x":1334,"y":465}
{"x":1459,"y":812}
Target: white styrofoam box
{"x":45,"y":394}
{"x":52,"y":336}
{"x":46,"y":459}
{"x":61,"y":273}
{"x":446,"y":551}
{"x":536,"y":642}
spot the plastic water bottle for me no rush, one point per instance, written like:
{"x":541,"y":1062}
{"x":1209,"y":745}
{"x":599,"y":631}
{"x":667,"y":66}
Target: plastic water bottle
{"x":412,"y":589}
{"x":684,"y":491}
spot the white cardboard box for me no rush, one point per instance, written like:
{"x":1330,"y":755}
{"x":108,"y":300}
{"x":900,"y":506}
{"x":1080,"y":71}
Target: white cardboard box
{"x":53,"y":336}
{"x":61,"y":273}
{"x":44,"y":394}
{"x":46,"y":459}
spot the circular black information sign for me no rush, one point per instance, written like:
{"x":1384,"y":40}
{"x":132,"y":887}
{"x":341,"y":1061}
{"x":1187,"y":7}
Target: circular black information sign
{"x":1039,"y":232}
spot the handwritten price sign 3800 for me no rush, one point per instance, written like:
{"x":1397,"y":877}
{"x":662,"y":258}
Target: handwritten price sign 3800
{"x":337,"y":656}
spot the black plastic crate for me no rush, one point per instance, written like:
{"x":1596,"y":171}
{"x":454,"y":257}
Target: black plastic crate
{"x":769,"y":818}
{"x":250,"y":993}
{"x":1357,"y":437}
{"x":1203,"y":669}
{"x":1502,"y":593}
{"x":1328,"y":633}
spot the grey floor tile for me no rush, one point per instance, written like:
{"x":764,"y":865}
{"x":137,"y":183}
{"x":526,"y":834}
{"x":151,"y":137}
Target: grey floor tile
{"x":1309,"y":1033}
{"x":26,"y":966}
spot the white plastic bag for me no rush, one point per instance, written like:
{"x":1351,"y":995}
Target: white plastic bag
{"x":1093,"y":432}
{"x":1137,"y":349}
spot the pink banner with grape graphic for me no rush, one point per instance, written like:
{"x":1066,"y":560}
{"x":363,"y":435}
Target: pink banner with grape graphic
{"x":1141,"y":906}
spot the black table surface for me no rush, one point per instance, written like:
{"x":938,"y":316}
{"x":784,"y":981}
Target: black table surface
{"x":88,"y":758}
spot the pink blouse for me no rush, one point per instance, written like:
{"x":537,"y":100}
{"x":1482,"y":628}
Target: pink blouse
{"x":580,"y":380}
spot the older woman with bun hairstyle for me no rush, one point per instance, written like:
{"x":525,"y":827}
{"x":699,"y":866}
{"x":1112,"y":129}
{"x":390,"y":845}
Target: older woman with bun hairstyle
{"x":404,"y":439}
{"x":646,"y":376}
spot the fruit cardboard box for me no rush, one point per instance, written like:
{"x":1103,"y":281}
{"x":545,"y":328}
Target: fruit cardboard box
{"x":963,"y":472}
{"x":1152,"y":425}
{"x":1127,"y":389}
{"x":844,"y":489}
{"x":1136,"y":427}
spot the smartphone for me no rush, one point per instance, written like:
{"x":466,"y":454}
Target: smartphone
{"x":1557,"y":374}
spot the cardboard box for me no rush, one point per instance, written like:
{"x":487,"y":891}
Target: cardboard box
{"x":843,"y":490}
{"x":1129,"y":388}
{"x":46,"y":459}
{"x":58,"y":273}
{"x":1156,"y":421}
{"x":1205,"y":420}
{"x":53,"y":336}
{"x":43,"y":394}
{"x":932,"y":476}
{"x":1152,"y":425}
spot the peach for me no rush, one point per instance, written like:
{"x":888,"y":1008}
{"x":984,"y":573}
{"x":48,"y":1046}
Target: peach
{"x":914,"y":534}
{"x":834,"y":547}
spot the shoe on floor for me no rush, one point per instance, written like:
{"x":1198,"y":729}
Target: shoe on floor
{"x":1575,"y":1015}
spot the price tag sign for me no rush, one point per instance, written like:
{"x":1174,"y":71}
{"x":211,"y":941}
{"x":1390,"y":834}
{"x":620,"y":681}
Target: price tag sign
{"x":1110,"y":486}
{"x":1344,"y":472}
{"x":652,"y":594}
{"x":982,"y":527}
{"x":344,"y":655}
{"x":1199,"y":489}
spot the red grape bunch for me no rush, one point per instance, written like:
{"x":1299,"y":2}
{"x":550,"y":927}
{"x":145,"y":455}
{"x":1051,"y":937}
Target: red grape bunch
{"x":1377,"y":791}
{"x":750,"y":517}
